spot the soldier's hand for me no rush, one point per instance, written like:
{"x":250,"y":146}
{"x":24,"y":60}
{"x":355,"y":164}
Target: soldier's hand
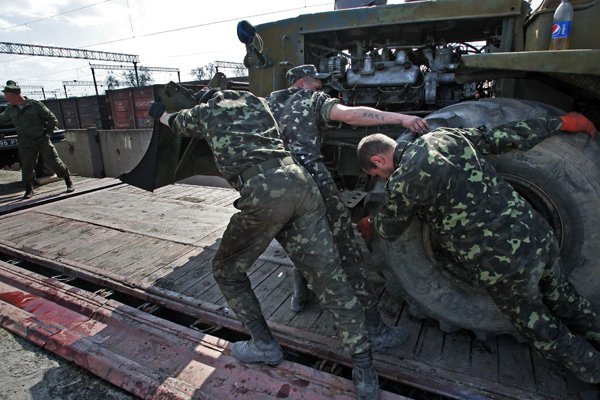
{"x":416,"y":124}
{"x":365,"y":228}
{"x":575,"y":122}
{"x":157,"y":109}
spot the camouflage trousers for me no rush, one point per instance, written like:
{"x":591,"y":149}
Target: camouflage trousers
{"x":284,"y":203}
{"x":340,"y":223}
{"x":554,"y":318}
{"x":28,"y":156}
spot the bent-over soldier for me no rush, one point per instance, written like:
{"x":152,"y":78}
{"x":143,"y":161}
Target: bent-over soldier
{"x":489,"y":228}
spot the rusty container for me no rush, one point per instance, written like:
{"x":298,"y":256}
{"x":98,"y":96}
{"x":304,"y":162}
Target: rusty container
{"x":68,"y":108}
{"x":129,"y":106}
{"x":93,"y":112}
{"x":54,"y":106}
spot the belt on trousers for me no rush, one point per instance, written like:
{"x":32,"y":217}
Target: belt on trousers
{"x":264,"y":166}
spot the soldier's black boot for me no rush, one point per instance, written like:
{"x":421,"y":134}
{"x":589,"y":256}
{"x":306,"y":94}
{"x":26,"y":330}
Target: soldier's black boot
{"x":262,"y":347}
{"x":28,"y":191}
{"x":364,"y":376}
{"x":300,"y":292}
{"x":382,"y":335}
{"x":69,"y":184}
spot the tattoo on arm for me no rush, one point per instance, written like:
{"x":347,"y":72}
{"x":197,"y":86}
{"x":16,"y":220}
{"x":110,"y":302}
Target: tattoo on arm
{"x":371,"y":115}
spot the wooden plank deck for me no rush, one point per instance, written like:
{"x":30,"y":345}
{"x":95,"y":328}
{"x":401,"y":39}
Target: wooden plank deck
{"x":163,"y":242}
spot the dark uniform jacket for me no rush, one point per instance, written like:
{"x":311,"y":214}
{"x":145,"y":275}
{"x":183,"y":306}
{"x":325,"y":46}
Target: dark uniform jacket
{"x":34,"y":122}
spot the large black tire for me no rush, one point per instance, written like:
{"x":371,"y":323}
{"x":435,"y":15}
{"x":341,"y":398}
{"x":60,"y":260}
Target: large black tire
{"x":560,"y":177}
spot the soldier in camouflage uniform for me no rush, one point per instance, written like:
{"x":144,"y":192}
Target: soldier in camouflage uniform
{"x":278,"y":199}
{"x":300,"y":110}
{"x":34,"y":124}
{"x":489,"y":228}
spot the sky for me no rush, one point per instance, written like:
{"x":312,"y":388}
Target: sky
{"x":183,"y":34}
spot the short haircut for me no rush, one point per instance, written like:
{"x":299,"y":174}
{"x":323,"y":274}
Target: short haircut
{"x":372,"y":145}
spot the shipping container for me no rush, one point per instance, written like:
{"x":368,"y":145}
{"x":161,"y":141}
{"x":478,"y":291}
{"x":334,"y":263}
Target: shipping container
{"x":68,"y":108}
{"x":80,"y":112}
{"x":54,"y":106}
{"x":129,"y":106}
{"x":93,"y":112}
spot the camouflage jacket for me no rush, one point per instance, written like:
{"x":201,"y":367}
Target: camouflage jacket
{"x":300,"y":113}
{"x":442,"y":179}
{"x":33,"y":121}
{"x":238,"y":127}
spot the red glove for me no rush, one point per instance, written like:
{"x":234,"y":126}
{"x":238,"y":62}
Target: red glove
{"x":365,"y":228}
{"x":575,"y":122}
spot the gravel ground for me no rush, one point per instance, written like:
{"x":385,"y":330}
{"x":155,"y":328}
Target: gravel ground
{"x":28,"y":372}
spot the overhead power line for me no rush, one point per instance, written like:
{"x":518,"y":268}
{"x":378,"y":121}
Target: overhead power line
{"x":55,"y":15}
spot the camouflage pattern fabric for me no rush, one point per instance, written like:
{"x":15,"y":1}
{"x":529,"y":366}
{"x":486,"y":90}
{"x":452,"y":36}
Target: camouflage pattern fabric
{"x":299,"y":114}
{"x":493,"y":232}
{"x":555,"y":319}
{"x":282,"y":203}
{"x":340,"y":224}
{"x":239,"y":129}
{"x":34,"y":123}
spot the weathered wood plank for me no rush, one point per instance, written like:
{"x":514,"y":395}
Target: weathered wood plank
{"x":80,"y":245}
{"x":24,"y":225}
{"x":184,"y":276}
{"x":103,"y":243}
{"x":280,"y":296}
{"x":118,"y":259}
{"x":257,"y":275}
{"x":484,"y":359}
{"x":50,"y":237}
{"x":514,"y":364}
{"x":456,"y":352}
{"x":155,"y":260}
{"x":430,"y":344}
{"x":77,"y":231}
{"x":208,"y":290}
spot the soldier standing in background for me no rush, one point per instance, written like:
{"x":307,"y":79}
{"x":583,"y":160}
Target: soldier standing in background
{"x":278,"y":199}
{"x":34,"y":123}
{"x":300,"y":111}
{"x":489,"y":228}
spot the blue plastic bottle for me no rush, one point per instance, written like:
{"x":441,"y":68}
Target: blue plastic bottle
{"x":561,"y":27}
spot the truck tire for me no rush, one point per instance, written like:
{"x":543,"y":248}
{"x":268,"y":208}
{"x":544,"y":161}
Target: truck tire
{"x":560,"y":177}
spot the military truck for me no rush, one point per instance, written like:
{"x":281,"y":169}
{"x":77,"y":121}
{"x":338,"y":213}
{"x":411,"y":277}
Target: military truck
{"x":459,"y":63}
